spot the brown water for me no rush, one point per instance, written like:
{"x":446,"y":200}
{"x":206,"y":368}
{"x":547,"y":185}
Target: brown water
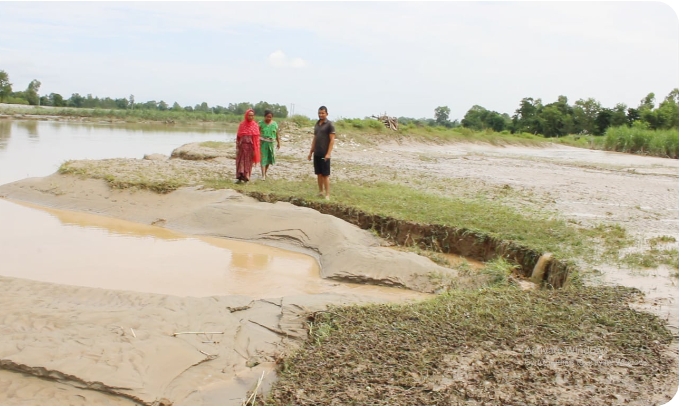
{"x":82,"y":249}
{"x":30,"y":148}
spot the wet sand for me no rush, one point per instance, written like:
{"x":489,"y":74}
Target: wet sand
{"x":121,"y":342}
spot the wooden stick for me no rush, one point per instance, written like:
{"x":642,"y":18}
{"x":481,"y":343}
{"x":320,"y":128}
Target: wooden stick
{"x":255,"y":391}
{"x":208,"y":355}
{"x":133,"y":333}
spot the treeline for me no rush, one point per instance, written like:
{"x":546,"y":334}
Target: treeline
{"x":584,"y":117}
{"x":560,"y":118}
{"x":532,"y":116}
{"x":30,"y":96}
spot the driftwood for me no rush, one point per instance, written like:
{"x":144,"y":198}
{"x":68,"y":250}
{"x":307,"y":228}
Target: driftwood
{"x":389,"y":122}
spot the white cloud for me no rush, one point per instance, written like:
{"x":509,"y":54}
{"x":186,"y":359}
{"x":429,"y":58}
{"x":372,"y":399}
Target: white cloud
{"x":279,"y":59}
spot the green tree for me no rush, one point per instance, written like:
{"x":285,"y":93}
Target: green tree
{"x":633,"y":115}
{"x":121,"y":103}
{"x":619,"y":115}
{"x":202,"y":108}
{"x":162,"y":106}
{"x":31,"y":92}
{"x":176,"y":107}
{"x":526,"y":117}
{"x":603,"y":121}
{"x":261,"y":107}
{"x":75,"y":101}
{"x":475,"y":118}
{"x":556,"y":119}
{"x":56,"y":100}
{"x":90,"y":102}
{"x":585,"y":112}
{"x":647,"y":103}
{"x":552,"y":121}
{"x":239,"y":108}
{"x":667,"y":114}
{"x":150,"y":105}
{"x":442,"y":115}
{"x":5,"y":86}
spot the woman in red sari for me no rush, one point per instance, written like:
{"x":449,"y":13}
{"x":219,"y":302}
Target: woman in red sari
{"x":247,"y":146}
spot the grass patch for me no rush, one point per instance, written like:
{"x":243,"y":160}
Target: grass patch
{"x":484,"y":347}
{"x":499,"y":270}
{"x":543,"y":233}
{"x":215,"y":145}
{"x":655,"y":255}
{"x":141,"y":174}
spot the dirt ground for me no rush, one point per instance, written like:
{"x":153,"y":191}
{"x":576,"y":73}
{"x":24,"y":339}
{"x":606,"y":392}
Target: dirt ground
{"x":588,"y":187}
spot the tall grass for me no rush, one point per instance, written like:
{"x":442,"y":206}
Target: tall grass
{"x":663,"y":143}
{"x":301,"y":120}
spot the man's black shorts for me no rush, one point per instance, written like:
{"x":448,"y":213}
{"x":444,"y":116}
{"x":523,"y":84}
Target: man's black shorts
{"x":321,"y":166}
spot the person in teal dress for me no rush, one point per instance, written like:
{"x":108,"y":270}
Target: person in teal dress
{"x":269,"y":133}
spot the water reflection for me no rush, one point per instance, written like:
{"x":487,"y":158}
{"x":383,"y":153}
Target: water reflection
{"x":5,"y":133}
{"x":249,"y":261}
{"x":111,"y":225}
{"x":89,"y":250}
{"x":148,"y":128}
{"x":32,"y":156}
{"x":31,"y":127}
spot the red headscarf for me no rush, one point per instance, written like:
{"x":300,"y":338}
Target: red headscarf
{"x":250,"y":128}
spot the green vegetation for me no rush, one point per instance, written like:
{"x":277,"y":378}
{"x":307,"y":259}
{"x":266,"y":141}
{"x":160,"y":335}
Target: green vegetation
{"x":119,"y":173}
{"x":499,"y":270}
{"x":133,"y":115}
{"x":215,"y":145}
{"x":540,"y":232}
{"x":31,"y":97}
{"x":491,"y":346}
{"x":641,"y":140}
{"x":659,"y":252}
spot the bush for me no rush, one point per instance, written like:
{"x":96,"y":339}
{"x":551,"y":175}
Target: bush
{"x":376,"y":125}
{"x":301,"y":120}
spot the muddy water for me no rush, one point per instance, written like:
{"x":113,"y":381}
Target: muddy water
{"x":88,"y":250}
{"x":30,"y":148}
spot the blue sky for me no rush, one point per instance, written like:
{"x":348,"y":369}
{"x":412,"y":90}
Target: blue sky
{"x":357,"y":58}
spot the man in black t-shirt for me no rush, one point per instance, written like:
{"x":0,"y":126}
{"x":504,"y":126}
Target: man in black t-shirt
{"x":322,"y":145}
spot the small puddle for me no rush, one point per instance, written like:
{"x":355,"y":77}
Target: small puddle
{"x":73,"y":248}
{"x":459,"y":262}
{"x":661,"y":289}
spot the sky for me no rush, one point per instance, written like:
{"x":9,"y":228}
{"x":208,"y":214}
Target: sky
{"x":357,"y":58}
